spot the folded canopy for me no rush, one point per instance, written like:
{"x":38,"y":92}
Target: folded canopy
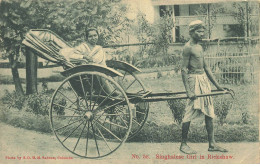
{"x":47,"y":45}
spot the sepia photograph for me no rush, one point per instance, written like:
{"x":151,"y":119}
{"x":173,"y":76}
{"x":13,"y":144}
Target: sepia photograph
{"x":129,"y":82}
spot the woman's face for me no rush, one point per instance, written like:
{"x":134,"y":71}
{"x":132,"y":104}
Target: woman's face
{"x":92,"y":37}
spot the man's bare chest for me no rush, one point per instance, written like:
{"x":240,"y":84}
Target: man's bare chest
{"x":196,"y":57}
{"x":197,"y":52}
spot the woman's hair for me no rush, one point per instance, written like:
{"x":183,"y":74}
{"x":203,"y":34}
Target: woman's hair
{"x":90,"y":29}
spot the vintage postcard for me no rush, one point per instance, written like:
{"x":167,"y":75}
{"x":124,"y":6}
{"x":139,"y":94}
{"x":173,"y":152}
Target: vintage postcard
{"x":129,"y":82}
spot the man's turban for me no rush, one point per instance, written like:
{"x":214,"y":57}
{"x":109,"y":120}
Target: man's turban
{"x":197,"y":24}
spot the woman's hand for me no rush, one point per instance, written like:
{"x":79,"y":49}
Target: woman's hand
{"x":220,"y":88}
{"x":85,"y":57}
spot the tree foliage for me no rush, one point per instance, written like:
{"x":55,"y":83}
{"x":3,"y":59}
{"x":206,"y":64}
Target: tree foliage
{"x":70,"y":19}
{"x":16,"y":20}
{"x":67,"y":18}
{"x":160,"y":35}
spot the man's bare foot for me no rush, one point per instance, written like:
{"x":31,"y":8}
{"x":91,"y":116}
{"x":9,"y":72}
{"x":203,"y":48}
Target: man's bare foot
{"x":217,"y":149}
{"x":186,"y":149}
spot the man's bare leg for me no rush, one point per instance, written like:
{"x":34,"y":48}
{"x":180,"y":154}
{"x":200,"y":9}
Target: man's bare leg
{"x":184,"y":147}
{"x":211,"y":139}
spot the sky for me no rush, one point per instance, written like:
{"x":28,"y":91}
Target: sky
{"x":144,"y":6}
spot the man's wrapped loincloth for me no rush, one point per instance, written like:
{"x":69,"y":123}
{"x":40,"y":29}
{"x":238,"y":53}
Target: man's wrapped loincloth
{"x":199,"y":84}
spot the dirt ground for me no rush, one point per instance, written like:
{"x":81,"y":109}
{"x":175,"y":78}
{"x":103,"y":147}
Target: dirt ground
{"x":17,"y":142}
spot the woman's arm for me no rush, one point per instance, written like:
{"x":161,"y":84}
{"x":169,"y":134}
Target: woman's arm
{"x":69,"y":53}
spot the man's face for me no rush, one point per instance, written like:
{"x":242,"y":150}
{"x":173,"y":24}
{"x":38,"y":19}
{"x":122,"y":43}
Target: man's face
{"x":92,"y":37}
{"x":198,"y":34}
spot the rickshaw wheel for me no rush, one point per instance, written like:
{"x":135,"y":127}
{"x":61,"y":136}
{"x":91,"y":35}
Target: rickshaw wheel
{"x":133,"y":85}
{"x":87,"y":120}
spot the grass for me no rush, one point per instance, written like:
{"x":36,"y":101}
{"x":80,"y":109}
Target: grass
{"x":151,"y":132}
{"x":23,"y":119}
{"x":160,"y":125}
{"x":7,"y":79}
{"x":156,"y":69}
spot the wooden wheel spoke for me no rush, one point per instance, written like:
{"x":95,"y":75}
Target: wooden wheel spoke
{"x":105,"y":99}
{"x":99,"y":93}
{"x":72,"y":132}
{"x":133,"y":84}
{"x":124,"y":76}
{"x":104,"y":138}
{"x":72,"y":104}
{"x":136,"y":122}
{"x":130,"y":85}
{"x":106,"y":119}
{"x":91,"y":87}
{"x":87,"y":80}
{"x":70,"y":119}
{"x":71,"y":109}
{"x":124,"y":121}
{"x":87,"y":140}
{"x":73,"y":90}
{"x":75,"y":94}
{"x":80,"y":136}
{"x":94,"y":134}
{"x":84,"y":92}
{"x":141,"y":112}
{"x":67,"y":116}
{"x":95,"y":120}
{"x":67,"y":125}
{"x":109,"y":131}
{"x":108,"y":107}
{"x":67,"y":98}
{"x":112,"y":123}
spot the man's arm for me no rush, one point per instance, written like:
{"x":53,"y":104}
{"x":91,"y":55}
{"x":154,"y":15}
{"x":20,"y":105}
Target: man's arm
{"x":211,"y":76}
{"x":184,"y":72}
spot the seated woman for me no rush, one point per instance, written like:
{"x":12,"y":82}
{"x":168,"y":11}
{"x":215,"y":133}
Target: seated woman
{"x":89,"y":52}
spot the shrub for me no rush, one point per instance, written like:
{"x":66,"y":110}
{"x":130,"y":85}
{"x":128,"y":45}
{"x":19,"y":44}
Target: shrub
{"x":177,"y":60}
{"x":222,"y":105}
{"x":245,"y":117}
{"x":159,"y":74}
{"x":13,"y":100}
{"x":59,"y":109}
{"x":35,"y":103}
{"x":178,"y":109}
{"x":38,"y":104}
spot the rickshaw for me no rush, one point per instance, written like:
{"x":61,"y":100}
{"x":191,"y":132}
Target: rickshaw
{"x":88,"y":121}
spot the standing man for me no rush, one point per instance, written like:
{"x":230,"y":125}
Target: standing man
{"x":195,"y":75}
